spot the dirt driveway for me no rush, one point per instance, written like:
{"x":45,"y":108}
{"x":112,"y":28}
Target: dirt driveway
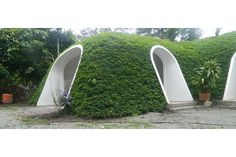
{"x":22,"y":117}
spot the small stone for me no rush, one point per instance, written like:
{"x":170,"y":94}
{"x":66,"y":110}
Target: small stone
{"x":207,"y":103}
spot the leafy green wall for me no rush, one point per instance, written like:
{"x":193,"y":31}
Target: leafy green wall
{"x":115,"y":78}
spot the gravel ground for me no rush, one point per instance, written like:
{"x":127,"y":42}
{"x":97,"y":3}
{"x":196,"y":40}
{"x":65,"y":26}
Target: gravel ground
{"x":23,"y":117}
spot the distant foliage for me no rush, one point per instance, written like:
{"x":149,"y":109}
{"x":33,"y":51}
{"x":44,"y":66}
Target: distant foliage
{"x":190,"y":34}
{"x":88,"y":32}
{"x":161,"y":33}
{"x":171,"y":33}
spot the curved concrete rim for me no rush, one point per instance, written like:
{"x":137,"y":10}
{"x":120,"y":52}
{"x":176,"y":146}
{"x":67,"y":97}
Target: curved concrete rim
{"x":168,"y":59}
{"x":230,"y":91}
{"x":56,"y":77}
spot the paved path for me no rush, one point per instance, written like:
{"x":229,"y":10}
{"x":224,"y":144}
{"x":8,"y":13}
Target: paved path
{"x":14,"y":116}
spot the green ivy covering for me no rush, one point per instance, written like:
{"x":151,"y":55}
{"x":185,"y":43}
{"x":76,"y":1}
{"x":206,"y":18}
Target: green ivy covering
{"x":116,"y":77}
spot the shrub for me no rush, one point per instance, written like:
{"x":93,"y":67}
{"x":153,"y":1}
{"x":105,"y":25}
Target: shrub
{"x":63,"y":101}
{"x":115,"y":79}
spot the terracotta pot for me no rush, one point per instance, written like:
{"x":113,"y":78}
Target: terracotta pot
{"x":7,"y":98}
{"x":204,"y":96}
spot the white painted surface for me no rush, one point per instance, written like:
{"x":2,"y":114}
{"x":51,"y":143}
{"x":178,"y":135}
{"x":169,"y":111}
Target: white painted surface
{"x":230,"y":88}
{"x":174,"y":86}
{"x":61,"y":76}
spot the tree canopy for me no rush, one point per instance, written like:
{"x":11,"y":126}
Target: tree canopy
{"x":28,"y":53}
{"x":88,"y":32}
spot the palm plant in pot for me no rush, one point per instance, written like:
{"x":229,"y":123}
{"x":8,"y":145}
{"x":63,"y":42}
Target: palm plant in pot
{"x":206,"y":77}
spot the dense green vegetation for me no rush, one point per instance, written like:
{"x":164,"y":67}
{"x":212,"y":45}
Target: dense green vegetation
{"x":37,"y":92}
{"x":206,"y":76}
{"x":116,"y":77}
{"x":26,"y":54}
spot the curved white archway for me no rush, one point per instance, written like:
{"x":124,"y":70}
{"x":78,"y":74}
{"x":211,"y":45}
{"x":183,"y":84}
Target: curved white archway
{"x":230,"y":87}
{"x":61,"y":76}
{"x":170,"y":76}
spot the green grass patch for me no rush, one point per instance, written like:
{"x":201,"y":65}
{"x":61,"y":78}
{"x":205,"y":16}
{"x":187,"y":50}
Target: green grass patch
{"x":34,"y":121}
{"x":13,"y":107}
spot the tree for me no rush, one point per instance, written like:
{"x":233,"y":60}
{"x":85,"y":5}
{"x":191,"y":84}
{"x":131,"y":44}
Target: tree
{"x":161,"y":33}
{"x":88,"y":32}
{"x":124,"y":30}
{"x":145,"y":31}
{"x":190,"y":34}
{"x":155,"y":32}
{"x":217,"y":32}
{"x":171,"y":33}
{"x":29,"y":52}
{"x":100,"y":30}
{"x":65,"y":38}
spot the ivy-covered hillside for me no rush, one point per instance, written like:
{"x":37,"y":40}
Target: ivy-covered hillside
{"x":116,"y":77}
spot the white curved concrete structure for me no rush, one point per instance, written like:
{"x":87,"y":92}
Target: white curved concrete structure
{"x":170,"y":76}
{"x":230,"y":87}
{"x":61,"y":76}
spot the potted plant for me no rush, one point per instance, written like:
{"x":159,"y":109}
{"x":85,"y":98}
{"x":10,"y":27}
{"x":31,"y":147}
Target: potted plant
{"x":7,"y":96}
{"x":205,"y":79}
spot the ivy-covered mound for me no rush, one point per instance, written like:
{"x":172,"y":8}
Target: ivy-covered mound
{"x":116,"y":77}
